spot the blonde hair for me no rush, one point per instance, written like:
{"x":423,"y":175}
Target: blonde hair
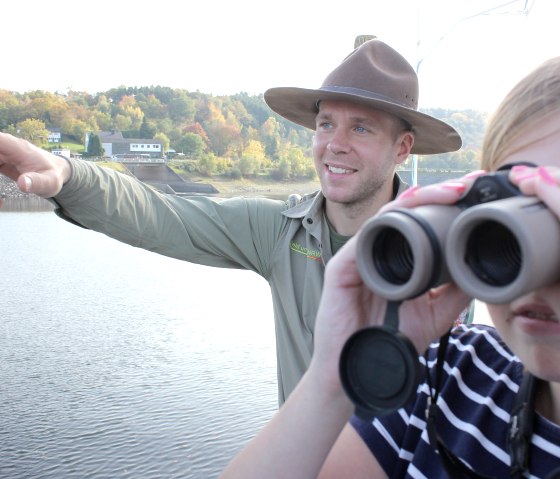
{"x":533,"y":99}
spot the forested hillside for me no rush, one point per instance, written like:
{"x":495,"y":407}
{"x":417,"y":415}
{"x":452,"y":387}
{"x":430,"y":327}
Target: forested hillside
{"x":235,"y":135}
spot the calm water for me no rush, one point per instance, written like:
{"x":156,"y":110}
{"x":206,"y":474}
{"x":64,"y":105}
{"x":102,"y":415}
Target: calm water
{"x":119,"y":363}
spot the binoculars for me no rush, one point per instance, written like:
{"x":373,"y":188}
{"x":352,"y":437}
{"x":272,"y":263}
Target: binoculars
{"x":495,"y":243}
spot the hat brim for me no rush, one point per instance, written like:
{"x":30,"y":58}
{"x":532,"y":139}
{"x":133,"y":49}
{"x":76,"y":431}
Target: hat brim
{"x":299,"y":105}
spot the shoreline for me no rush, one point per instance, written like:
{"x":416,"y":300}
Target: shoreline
{"x":258,"y":187}
{"x":226,"y":187}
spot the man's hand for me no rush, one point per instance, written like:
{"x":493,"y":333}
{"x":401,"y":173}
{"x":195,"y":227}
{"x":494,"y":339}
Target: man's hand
{"x":33,"y":169}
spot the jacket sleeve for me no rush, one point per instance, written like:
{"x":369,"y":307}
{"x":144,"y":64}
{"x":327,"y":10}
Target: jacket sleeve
{"x":232,"y":233}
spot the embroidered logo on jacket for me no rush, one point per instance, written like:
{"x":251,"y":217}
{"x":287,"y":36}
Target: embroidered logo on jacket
{"x":310,"y":253}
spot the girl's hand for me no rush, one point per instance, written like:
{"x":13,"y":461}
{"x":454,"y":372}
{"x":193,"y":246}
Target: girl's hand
{"x":541,"y":181}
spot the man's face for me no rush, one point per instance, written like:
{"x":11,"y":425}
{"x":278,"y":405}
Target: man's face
{"x":356,"y":150}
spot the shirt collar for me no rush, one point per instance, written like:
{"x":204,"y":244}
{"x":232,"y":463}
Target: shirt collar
{"x":309,"y":205}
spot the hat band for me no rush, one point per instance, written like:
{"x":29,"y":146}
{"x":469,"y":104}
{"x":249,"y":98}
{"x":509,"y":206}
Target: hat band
{"x":364,"y":94}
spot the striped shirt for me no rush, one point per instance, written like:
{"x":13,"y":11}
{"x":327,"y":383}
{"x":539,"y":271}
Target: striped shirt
{"x":480,"y":380}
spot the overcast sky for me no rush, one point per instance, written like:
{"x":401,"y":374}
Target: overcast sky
{"x":468,"y":59}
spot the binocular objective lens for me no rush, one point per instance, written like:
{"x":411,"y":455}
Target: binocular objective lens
{"x":392,"y":256}
{"x":493,"y":254}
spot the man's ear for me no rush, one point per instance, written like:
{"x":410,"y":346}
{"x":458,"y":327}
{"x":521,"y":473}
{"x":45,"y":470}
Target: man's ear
{"x":404,"y":145}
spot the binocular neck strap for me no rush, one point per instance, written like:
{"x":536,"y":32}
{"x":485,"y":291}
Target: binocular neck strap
{"x":391,"y":320}
{"x":521,"y":425}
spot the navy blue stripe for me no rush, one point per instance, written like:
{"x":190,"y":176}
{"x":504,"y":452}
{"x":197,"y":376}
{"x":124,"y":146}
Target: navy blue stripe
{"x":479,"y":359}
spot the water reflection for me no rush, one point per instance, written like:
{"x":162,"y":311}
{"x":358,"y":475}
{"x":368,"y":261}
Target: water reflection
{"x":120,"y":363}
{"x":29,"y":203}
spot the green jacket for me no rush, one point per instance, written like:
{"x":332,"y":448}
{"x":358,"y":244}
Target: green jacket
{"x":286,"y":242}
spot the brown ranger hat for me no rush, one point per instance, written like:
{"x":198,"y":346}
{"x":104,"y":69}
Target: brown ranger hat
{"x":377,"y":76}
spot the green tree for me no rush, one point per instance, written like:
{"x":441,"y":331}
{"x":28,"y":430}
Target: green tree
{"x":282,"y":170}
{"x":210,"y":165}
{"x":146,"y":130}
{"x":94,"y":146}
{"x":191,"y":145}
{"x":181,"y":107}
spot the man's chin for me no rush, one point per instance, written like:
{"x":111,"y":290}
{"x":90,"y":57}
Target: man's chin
{"x":338,"y":197}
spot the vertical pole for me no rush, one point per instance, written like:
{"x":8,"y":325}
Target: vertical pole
{"x":414,"y":172}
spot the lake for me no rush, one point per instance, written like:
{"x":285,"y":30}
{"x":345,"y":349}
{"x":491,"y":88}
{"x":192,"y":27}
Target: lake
{"x":120,"y":363}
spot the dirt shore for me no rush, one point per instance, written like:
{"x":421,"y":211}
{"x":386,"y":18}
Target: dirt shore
{"x":245,"y":187}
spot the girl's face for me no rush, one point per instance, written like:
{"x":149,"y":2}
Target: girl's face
{"x":530,"y":324}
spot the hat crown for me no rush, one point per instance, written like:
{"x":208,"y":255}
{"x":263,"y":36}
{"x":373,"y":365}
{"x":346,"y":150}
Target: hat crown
{"x":376,"y":70}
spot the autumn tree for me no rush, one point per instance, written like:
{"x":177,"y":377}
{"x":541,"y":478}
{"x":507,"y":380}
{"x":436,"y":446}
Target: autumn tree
{"x":224,"y":139}
{"x":50,"y":108}
{"x":226,"y":124}
{"x":197,"y":129}
{"x":164,"y":140}
{"x":252,"y":158}
{"x":9,"y":104}
{"x":209,"y":165}
{"x":122,"y":122}
{"x":131,"y":111}
{"x":270,"y":132}
{"x":152,"y":107}
{"x":33,"y":130}
{"x":292,"y":163}
{"x":77,"y":128}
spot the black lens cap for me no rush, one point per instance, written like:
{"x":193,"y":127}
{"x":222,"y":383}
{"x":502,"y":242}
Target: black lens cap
{"x":379,"y":370}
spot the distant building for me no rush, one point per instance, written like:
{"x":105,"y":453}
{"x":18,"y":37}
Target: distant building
{"x":55,"y":135}
{"x":118,"y":147}
{"x":61,"y":152}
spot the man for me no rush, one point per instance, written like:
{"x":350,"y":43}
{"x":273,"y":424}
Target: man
{"x":366,"y":121}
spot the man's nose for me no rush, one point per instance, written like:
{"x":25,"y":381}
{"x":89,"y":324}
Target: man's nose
{"x":339,"y":143}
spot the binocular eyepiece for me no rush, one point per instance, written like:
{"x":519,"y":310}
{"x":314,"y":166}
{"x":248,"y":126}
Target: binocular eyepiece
{"x":494,"y":243}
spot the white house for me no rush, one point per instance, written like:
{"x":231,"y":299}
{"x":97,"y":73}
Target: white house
{"x":55,"y":135}
{"x":114,"y":145}
{"x":61,"y":152}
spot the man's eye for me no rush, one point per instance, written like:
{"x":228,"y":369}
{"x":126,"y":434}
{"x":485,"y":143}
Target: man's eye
{"x":360,"y":129}
{"x":325,"y":125}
